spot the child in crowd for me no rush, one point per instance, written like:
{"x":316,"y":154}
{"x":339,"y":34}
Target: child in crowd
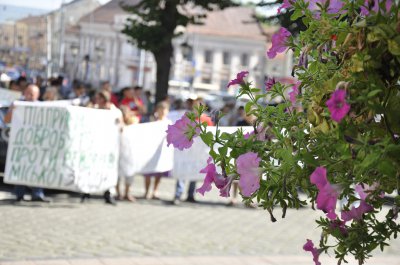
{"x":160,"y":114}
{"x":129,"y":118}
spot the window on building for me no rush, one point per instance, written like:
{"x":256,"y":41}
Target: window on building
{"x":206,"y":79}
{"x":244,"y":59}
{"x":208,"y":56}
{"x":226,"y":58}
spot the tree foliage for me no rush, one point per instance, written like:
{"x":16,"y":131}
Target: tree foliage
{"x":283,"y":19}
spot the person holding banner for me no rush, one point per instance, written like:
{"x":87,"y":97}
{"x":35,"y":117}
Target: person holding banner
{"x":180,"y":184}
{"x":31,"y":93}
{"x":132,"y":99}
{"x":103,"y":101}
{"x":160,"y":114}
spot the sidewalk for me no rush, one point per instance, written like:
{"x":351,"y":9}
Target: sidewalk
{"x":207,"y":260}
{"x":157,"y":232}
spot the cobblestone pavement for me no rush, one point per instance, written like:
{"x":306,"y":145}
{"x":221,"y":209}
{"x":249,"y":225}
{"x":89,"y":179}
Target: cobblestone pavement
{"x":65,"y":230}
{"x":200,"y":260}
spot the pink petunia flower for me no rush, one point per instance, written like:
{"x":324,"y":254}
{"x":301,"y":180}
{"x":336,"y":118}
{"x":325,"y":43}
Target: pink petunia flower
{"x":365,"y":190}
{"x":247,"y":135}
{"x":261,"y":133}
{"x":269,"y":83}
{"x":337,"y":105}
{"x":239,"y":79}
{"x":178,"y":134}
{"x":279,"y":41}
{"x":294,"y":93}
{"x":249,"y":171}
{"x":339,"y":224}
{"x":327,"y":195}
{"x":222,"y":183}
{"x":356,"y":213}
{"x":285,"y":5}
{"x":365,"y":10}
{"x":210,"y":172}
{"x":335,"y":6}
{"x":309,"y":246}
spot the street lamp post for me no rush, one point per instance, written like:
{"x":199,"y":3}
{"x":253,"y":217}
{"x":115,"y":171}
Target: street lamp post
{"x":99,"y":52}
{"x":74,"y":52}
{"x":187,"y":52}
{"x":86,"y":59}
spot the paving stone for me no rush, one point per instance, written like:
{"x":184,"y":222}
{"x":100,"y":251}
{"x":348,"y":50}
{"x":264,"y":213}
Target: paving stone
{"x":196,"y":233}
{"x":51,"y":262}
{"x":85,"y":262}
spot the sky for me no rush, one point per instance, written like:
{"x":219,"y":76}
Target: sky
{"x":52,"y":4}
{"x":40,"y":4}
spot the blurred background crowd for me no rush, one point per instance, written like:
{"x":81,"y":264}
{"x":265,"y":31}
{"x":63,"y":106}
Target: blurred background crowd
{"x":134,"y":105}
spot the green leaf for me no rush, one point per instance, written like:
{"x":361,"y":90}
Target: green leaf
{"x":207,"y":138}
{"x":373,"y":93}
{"x":223,"y":151}
{"x":393,"y":149}
{"x":247,"y":107}
{"x":225,"y":136}
{"x":258,"y":97}
{"x":369,"y":160}
{"x":296,"y":14}
{"x":389,"y":32}
{"x":386,"y":168}
{"x":213,"y":154}
{"x":392,"y":113}
{"x":394,"y":45}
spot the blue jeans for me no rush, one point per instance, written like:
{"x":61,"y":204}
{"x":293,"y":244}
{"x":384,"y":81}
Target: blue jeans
{"x":36,"y":192}
{"x":180,"y":187}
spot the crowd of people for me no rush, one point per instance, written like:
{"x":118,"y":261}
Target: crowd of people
{"x":133,"y":106}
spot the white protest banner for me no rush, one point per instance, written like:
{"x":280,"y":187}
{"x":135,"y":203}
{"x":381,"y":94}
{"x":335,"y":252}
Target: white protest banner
{"x":189,"y":162}
{"x":7,"y":97}
{"x":63,"y":147}
{"x":144,"y":149}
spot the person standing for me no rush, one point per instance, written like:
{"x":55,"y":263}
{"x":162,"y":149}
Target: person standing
{"x":31,"y":93}
{"x":103,"y":101}
{"x":148,"y":102}
{"x":128,"y":119}
{"x":50,"y":94}
{"x":160,"y":114}
{"x":106,"y":86}
{"x":132,"y":98}
{"x":180,"y":184}
{"x":79,"y":96}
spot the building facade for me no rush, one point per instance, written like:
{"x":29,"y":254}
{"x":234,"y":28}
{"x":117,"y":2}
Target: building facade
{"x":60,"y":22}
{"x":205,"y":57}
{"x":36,"y":33}
{"x":228,"y":41}
{"x":106,"y":54}
{"x":13,"y":43}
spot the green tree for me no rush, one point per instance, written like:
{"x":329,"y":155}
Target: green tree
{"x":153,"y":25}
{"x":283,"y":19}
